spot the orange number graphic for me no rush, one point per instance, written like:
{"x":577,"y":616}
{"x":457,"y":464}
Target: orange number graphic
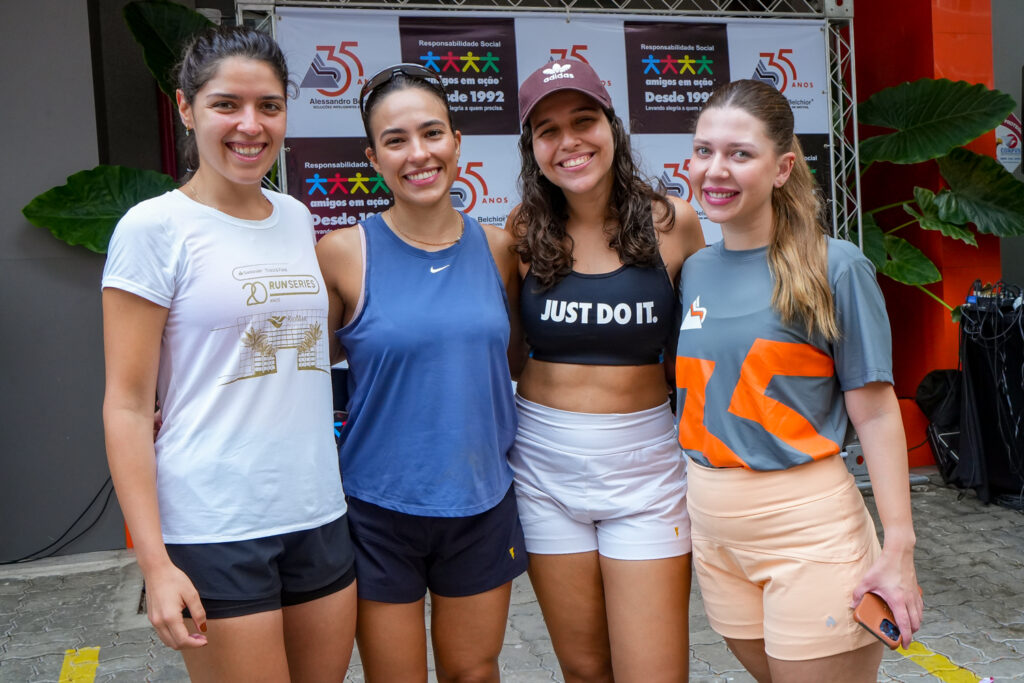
{"x":576,"y":52}
{"x":685,"y":178}
{"x":693,"y":374}
{"x":782,"y":57}
{"x":765,"y":361}
{"x":469,"y":171}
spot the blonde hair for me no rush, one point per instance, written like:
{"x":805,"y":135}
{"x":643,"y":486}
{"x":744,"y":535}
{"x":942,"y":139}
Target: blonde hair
{"x":798,"y":247}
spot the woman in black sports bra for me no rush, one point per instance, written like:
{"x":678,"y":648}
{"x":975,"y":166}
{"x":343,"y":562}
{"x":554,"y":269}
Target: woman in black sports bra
{"x":599,"y":477}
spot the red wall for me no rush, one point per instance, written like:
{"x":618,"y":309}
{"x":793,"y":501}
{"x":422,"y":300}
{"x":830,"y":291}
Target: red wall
{"x":904,"y":41}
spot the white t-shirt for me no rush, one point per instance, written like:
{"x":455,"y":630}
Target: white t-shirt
{"x":247,"y":445}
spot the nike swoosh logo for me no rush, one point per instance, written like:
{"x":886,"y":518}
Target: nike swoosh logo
{"x":438,"y":270}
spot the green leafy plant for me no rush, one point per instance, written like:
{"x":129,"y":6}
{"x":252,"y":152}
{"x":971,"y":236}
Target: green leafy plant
{"x":85,"y":210}
{"x":163,"y":28}
{"x":933,"y":120}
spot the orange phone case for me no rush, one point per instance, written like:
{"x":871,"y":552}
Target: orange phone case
{"x":873,"y":614}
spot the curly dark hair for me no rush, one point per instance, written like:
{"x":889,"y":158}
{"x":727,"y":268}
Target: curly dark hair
{"x":540,"y":222}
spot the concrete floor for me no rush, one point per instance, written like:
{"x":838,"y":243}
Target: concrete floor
{"x":970,"y":561}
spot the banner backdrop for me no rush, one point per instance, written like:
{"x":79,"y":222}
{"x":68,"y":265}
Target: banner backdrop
{"x":659,"y":73}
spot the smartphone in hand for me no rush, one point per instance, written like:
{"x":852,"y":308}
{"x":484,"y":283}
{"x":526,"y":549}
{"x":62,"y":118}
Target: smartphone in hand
{"x":873,"y":614}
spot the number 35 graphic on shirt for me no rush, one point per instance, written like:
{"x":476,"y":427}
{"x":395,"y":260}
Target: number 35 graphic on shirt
{"x":765,"y":360}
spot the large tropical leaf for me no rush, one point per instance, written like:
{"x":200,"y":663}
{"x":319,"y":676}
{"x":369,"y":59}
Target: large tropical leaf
{"x":989,"y":196}
{"x":873,"y":244}
{"x":931,"y":117}
{"x":86,"y":209}
{"x":163,"y":28}
{"x":949,"y":208}
{"x":930,"y":217}
{"x":907,"y":264}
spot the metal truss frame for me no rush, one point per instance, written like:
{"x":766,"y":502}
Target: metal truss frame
{"x":845,"y":200}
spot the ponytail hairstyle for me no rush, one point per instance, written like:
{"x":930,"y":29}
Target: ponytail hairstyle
{"x":539,"y":229}
{"x":798,"y":248}
{"x":201,"y":59}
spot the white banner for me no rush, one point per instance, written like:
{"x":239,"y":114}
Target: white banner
{"x":790,"y":57}
{"x":593,"y":40}
{"x":658,"y":72}
{"x":330,"y":54}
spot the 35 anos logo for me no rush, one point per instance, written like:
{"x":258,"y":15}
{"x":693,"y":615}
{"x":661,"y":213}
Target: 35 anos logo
{"x":470,"y":189}
{"x":678,"y":183}
{"x":573,"y":52}
{"x":334,"y":69}
{"x":777,"y":69}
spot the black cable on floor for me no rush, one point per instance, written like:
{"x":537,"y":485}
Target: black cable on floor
{"x":38,"y":554}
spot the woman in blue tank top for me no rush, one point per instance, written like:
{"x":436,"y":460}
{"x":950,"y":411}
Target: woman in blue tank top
{"x":600,"y":480}
{"x":420,"y":302}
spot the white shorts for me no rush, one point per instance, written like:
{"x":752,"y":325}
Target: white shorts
{"x":615,"y":483}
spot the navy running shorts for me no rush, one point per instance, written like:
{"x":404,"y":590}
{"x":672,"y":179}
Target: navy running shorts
{"x":265,"y":574}
{"x":400,"y":556}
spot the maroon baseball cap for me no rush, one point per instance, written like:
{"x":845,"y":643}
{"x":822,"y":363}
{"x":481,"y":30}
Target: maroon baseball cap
{"x":567,"y":74}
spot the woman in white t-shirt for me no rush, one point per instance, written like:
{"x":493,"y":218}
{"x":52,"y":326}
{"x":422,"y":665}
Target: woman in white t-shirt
{"x":213,"y":303}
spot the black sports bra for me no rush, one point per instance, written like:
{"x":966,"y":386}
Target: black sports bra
{"x":625,"y":317}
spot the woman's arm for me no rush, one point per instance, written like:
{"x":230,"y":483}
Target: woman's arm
{"x":132,"y":330}
{"x":875,"y":414}
{"x":340,"y":255}
{"x":501,"y":243}
{"x":678,"y":242}
{"x":683,"y":237}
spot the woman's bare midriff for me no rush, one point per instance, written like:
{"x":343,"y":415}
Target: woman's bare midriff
{"x":594,"y":388}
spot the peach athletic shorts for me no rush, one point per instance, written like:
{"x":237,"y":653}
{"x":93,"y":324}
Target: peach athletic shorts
{"x":778,"y":554}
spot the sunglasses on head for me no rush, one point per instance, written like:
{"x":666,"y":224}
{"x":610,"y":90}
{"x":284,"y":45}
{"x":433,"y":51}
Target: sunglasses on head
{"x":383,"y":76}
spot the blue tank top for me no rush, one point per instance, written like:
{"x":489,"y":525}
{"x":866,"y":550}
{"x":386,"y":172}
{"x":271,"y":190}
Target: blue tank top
{"x":431,"y":409}
{"x":625,"y":317}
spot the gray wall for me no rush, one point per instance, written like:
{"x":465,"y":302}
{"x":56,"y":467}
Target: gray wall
{"x":51,"y":444}
{"x":52,"y":459}
{"x":1008,"y":60}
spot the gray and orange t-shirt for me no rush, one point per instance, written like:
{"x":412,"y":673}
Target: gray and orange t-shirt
{"x":755,"y":393}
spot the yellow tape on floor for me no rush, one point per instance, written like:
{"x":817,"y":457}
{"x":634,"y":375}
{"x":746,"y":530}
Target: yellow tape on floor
{"x":80,"y":665}
{"x":938,"y":666}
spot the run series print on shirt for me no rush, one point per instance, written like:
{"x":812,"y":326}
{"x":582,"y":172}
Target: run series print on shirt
{"x":264,"y":335}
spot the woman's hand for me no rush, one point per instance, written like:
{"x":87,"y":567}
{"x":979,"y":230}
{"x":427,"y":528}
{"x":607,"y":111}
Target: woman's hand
{"x":893,"y":578}
{"x":875,"y":414}
{"x":168,"y":592}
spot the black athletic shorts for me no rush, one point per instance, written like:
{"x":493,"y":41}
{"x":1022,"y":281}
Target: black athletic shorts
{"x":265,"y":574}
{"x":400,"y":556}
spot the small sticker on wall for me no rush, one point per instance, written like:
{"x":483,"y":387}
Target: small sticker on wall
{"x":1009,"y":142}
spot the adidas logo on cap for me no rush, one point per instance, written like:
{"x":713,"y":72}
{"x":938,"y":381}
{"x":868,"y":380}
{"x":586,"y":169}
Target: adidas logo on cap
{"x":558,"y":71}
